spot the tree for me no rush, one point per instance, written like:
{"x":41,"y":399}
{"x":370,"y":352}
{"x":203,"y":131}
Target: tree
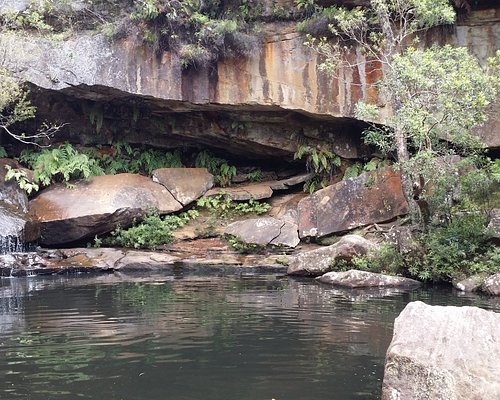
{"x":15,"y":107}
{"x":435,"y":95}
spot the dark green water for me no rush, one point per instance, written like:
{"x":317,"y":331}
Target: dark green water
{"x":197,"y":337}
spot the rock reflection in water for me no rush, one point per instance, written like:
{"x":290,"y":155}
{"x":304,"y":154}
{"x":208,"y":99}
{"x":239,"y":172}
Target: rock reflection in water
{"x":191,"y":337}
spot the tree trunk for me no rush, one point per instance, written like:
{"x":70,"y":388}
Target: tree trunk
{"x":406,"y":179}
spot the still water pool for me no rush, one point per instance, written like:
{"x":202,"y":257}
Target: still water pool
{"x":200,"y":337}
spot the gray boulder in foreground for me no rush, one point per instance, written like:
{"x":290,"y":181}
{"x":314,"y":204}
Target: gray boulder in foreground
{"x":443,"y":353}
{"x":317,"y":262}
{"x":363,"y":279}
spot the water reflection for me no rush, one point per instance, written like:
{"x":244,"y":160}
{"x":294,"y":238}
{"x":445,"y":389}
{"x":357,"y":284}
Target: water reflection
{"x":196,"y":337}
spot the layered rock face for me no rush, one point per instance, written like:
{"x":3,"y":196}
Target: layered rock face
{"x":447,"y":353}
{"x":276,"y":96}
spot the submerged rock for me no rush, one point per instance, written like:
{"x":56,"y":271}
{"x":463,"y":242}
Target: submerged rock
{"x":317,"y":262}
{"x":97,"y":206}
{"x":264,"y":232}
{"x":370,"y":198}
{"x":210,"y":254}
{"x":363,"y":279}
{"x":364,"y":294}
{"x":448,"y":353}
{"x":185,"y":184}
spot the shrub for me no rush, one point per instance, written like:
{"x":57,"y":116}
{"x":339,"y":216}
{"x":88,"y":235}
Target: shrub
{"x":64,"y":163}
{"x":456,"y":250}
{"x":255,"y":176}
{"x":321,"y":162}
{"x":357,"y":168}
{"x":243,"y":247}
{"x":460,"y":248}
{"x":153,"y":231}
{"x":21,"y":177}
{"x":224,"y":206}
{"x":125,"y":158}
{"x":61,"y":164}
{"x":385,"y":259}
{"x":194,"y":55}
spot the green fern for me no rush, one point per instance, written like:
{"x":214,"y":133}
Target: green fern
{"x":21,"y":177}
{"x":352,"y":171}
{"x":321,"y":162}
{"x":223,"y":206}
{"x":153,"y":231}
{"x":61,"y":164}
{"x":218,"y":167}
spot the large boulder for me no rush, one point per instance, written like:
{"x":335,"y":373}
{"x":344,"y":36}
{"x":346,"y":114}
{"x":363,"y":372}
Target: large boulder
{"x":471,"y":283}
{"x":264,"y":232}
{"x":185,"y":184}
{"x":494,"y":224}
{"x":369,"y":198}
{"x":285,"y":207}
{"x":319,"y":261}
{"x":448,"y":353}
{"x":363,"y":279}
{"x":97,"y":206}
{"x":9,"y":6}
{"x":492,"y":285}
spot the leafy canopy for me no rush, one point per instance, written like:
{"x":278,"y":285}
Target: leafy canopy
{"x":434,"y":96}
{"x":426,"y":83}
{"x":16,"y":107}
